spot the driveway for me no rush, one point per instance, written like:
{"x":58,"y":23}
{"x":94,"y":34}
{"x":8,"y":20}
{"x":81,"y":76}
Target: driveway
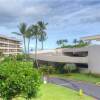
{"x":88,"y":88}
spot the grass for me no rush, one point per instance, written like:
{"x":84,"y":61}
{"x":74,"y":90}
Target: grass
{"x":79,"y":77}
{"x":54,"y":92}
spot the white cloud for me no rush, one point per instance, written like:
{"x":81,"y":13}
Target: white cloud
{"x":53,"y":11}
{"x":36,"y":10}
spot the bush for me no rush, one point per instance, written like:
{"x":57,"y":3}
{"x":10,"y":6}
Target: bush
{"x":18,"y":78}
{"x":59,"y":68}
{"x":9,"y":58}
{"x":22,"y":57}
{"x":18,"y":57}
{"x":47,"y":70}
{"x":1,"y":54}
{"x":69,"y":67}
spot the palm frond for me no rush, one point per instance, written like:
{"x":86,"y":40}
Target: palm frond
{"x":42,"y":25}
{"x":16,"y":33}
{"x":22,"y":28}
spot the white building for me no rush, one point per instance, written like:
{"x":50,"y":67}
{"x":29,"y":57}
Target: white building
{"x":9,"y":45}
{"x":89,"y":56}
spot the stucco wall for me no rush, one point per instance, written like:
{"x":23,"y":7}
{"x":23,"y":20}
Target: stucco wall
{"x":94,"y":59}
{"x":83,"y":70}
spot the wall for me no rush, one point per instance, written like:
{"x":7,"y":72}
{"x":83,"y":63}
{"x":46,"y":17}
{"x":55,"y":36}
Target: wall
{"x":83,"y":70}
{"x":94,"y":59}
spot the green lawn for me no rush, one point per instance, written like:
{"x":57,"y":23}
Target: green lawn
{"x":54,"y":92}
{"x":79,"y":77}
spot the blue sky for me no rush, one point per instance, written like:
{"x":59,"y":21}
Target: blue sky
{"x":67,"y":19}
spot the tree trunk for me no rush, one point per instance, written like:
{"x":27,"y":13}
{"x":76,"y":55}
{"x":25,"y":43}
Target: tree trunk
{"x":42,"y":46}
{"x":28,"y":45}
{"x":36,"y":63}
{"x":24,"y":45}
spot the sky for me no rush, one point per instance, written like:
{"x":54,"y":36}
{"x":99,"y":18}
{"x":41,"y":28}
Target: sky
{"x":67,"y":19}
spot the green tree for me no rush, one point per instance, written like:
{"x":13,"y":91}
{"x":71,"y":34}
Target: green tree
{"x":84,"y":43}
{"x":22,"y":32}
{"x":36,"y":33}
{"x":29,"y":36}
{"x":59,"y":42}
{"x":81,"y":42}
{"x":75,"y":41}
{"x":43,"y":34}
{"x":70,"y":67}
{"x":62,"y":42}
{"x":42,"y":38}
{"x":38,"y":30}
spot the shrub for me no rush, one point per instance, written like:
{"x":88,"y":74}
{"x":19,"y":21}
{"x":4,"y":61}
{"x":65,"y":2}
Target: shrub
{"x":18,"y":78}
{"x":22,"y":57}
{"x":18,"y":57}
{"x":51,"y":69}
{"x":9,"y":58}
{"x":1,"y":54}
{"x":59,"y":68}
{"x":69,"y":67}
{"x":47,"y":69}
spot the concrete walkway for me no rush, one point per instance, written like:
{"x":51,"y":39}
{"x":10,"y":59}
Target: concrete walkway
{"x":89,"y":89}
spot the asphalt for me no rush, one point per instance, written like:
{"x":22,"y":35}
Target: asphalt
{"x":88,"y":88}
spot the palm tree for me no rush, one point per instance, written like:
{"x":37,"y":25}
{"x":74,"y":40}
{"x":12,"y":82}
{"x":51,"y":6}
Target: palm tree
{"x":42,"y":28}
{"x":23,"y":29}
{"x":29,"y":35}
{"x":75,"y":41}
{"x":59,"y":42}
{"x":42,"y":25}
{"x":35,"y":31}
{"x":84,"y":43}
{"x":88,"y":43}
{"x":81,"y":42}
{"x":62,"y":42}
{"x":42,"y":38}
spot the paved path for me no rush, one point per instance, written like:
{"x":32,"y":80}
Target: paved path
{"x":89,"y":89}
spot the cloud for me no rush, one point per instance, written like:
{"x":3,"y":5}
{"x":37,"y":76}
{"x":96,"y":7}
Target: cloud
{"x":14,"y":11}
{"x":90,"y":15}
{"x":56,"y":12}
{"x":89,"y":2}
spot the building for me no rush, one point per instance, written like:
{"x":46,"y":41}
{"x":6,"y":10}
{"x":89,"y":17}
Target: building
{"x":86,"y":58}
{"x":9,"y":46}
